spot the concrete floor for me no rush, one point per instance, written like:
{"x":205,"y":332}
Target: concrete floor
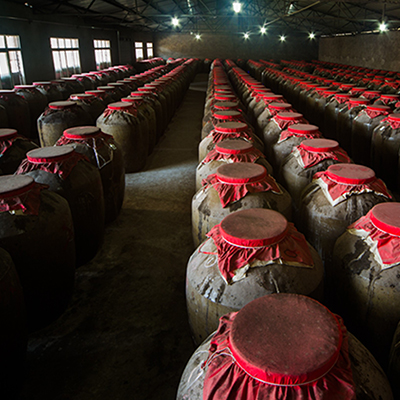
{"x":125,"y":334}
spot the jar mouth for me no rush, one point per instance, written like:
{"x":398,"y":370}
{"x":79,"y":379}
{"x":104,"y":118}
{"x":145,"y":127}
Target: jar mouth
{"x":289,"y":116}
{"x":15,"y":185}
{"x":81,"y":132}
{"x":386,"y":217}
{"x":227,"y":114}
{"x":8,"y":133}
{"x":352,"y":174}
{"x":241,"y":173}
{"x":359,"y":101}
{"x":60,"y":105}
{"x":303,"y":129}
{"x":81,"y":96}
{"x":231,"y":127}
{"x":394,"y":117}
{"x":50,"y":154}
{"x":234,"y":147}
{"x":254,"y":228}
{"x":286,"y":333}
{"x":120,"y":105}
{"x":319,"y":145}
{"x":279,"y":106}
{"x":378,"y":108}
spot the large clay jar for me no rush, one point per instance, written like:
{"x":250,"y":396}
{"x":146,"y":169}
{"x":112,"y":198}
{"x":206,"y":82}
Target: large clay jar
{"x":276,"y":125}
{"x":289,"y":139}
{"x":394,"y":363}
{"x":273,"y":106}
{"x":228,"y":130}
{"x":49,"y":90}
{"x":3,"y":117}
{"x":12,"y":330}
{"x":363,"y":277}
{"x":234,"y":187}
{"x":102,"y":95}
{"x":90,"y":104}
{"x":120,"y":121}
{"x":335,"y":199}
{"x":361,"y":134}
{"x":308,"y":158}
{"x":220,"y":106}
{"x":103,"y":153}
{"x":58,"y":117}
{"x":251,"y":253}
{"x":332,"y":109}
{"x":226,"y":152}
{"x":37,"y":102}
{"x":385,"y":147}
{"x":13,"y":149}
{"x":220,"y":117}
{"x":68,"y":174}
{"x":17,"y":109}
{"x":36,"y":229}
{"x":283,"y":347}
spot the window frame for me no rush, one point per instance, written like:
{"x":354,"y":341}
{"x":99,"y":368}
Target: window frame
{"x":66,"y":56}
{"x":13,"y":72}
{"x":102,"y":53}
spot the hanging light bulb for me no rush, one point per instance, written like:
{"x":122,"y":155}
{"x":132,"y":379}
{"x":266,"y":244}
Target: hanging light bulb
{"x":237,"y":6}
{"x":198,"y":37}
{"x":311,"y":35}
{"x":246,"y":35}
{"x":282,"y":38}
{"x":175,"y":21}
{"x":263,"y":30}
{"x":383,"y":26}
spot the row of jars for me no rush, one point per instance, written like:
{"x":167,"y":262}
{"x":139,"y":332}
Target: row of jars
{"x":368,"y":285}
{"x":220,"y":277}
{"x":54,"y":202}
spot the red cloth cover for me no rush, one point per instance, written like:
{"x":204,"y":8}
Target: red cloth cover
{"x":6,"y":144}
{"x":26,"y":199}
{"x":226,"y":379}
{"x":131,"y":110}
{"x":311,"y":158}
{"x":373,"y":113}
{"x":286,"y":135}
{"x":292,"y":248}
{"x":231,"y":192}
{"x":394,"y":124}
{"x":388,"y":245}
{"x":284,"y":124}
{"x":251,"y":156}
{"x":97,"y":142}
{"x":337,"y":190}
{"x":62,"y":167}
{"x":219,"y":136}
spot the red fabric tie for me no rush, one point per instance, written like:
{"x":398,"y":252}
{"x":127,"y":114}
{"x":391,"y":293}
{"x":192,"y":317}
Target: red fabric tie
{"x":287,"y":134}
{"x":62,"y":167}
{"x":226,"y":379}
{"x":311,"y":158}
{"x":26,"y":199}
{"x":231,"y":192}
{"x":219,"y":136}
{"x":373,"y":114}
{"x":251,"y":156}
{"x":394,"y":124}
{"x":292,"y":248}
{"x":7,"y":143}
{"x":284,"y":124}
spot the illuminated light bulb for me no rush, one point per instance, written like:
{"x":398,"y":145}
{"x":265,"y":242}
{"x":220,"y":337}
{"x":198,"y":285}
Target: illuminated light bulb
{"x":246,"y":35}
{"x":237,"y":7}
{"x":312,"y":35}
{"x":175,"y":21}
{"x":263,"y":30}
{"x":382,"y":27}
{"x":282,"y":38}
{"x":198,"y":37}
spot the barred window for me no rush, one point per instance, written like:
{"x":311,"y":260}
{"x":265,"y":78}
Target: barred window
{"x":102,"y":53}
{"x":11,"y":66}
{"x":65,"y":56}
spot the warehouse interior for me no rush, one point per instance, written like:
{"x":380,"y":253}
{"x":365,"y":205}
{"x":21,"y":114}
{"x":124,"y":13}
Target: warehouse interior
{"x":125,"y":334}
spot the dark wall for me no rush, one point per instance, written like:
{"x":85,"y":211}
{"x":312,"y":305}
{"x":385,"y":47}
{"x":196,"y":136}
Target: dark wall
{"x":35,"y":42}
{"x":380,"y":51}
{"x":234,"y":46}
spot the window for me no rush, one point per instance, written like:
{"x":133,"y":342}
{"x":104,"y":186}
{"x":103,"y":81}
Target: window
{"x":65,"y":56}
{"x":139,"y":51}
{"x":11,"y":67}
{"x":102,"y":53}
{"x":149,"y":47}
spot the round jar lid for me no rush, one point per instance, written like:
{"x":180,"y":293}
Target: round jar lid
{"x":225,"y":105}
{"x":354,"y":101}
{"x":14,"y":185}
{"x":254,"y":227}
{"x":120,"y":105}
{"x":227,"y":114}
{"x":132,"y":99}
{"x":41,"y":83}
{"x":81,"y":132}
{"x":95,"y":92}
{"x":279,"y":106}
{"x":347,"y":85}
{"x":8,"y":92}
{"x":145,"y":89}
{"x":374,"y":107}
{"x":271,"y":96}
{"x":116,"y":84}
{"x":343,"y":95}
{"x":49,"y":154}
{"x":106,"y":88}
{"x":69,"y":79}
{"x":60,"y":105}
{"x":372,"y":92}
{"x":286,"y":339}
{"x":329,"y":92}
{"x":233,"y":147}
{"x":319,"y":145}
{"x":394,"y":117}
{"x":358,"y":89}
{"x":289,"y":116}
{"x":229,"y":127}
{"x":352,"y":174}
{"x":223,"y":87}
{"x":81,"y":96}
{"x":8,"y":133}
{"x":227,"y":97}
{"x":390,"y":96}
{"x":311,"y":85}
{"x":386,"y":217}
{"x":303,"y":129}
{"x":24,"y":87}
{"x":241,"y":172}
